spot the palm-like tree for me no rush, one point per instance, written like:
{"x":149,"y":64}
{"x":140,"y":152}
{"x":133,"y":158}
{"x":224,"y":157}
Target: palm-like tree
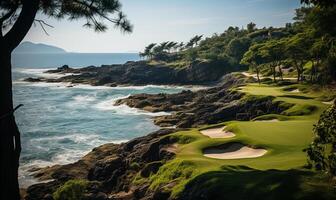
{"x":148,"y":52}
{"x":194,"y":41}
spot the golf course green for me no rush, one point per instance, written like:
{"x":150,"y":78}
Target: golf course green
{"x":281,"y":168}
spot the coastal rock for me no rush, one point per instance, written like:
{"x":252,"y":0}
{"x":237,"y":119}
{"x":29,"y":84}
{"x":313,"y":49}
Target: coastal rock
{"x":208,"y":106}
{"x":33,"y":80}
{"x":109,"y":168}
{"x":142,"y":73}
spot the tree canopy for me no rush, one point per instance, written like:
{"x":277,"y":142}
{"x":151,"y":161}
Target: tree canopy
{"x":16,"y":16}
{"x":95,"y":12}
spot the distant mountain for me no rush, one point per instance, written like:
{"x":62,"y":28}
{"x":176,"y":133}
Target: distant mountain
{"x":29,"y":47}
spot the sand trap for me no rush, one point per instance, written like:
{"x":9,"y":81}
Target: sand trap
{"x":328,"y":102}
{"x":295,"y":91}
{"x":217,"y":133}
{"x":271,"y":120}
{"x":172,"y":148}
{"x":233,"y":151}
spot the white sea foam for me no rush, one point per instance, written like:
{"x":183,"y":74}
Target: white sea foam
{"x":109,"y":105}
{"x":40,"y":72}
{"x":90,"y":87}
{"x":63,"y":157}
{"x":45,"y":84}
{"x":90,"y":139}
{"x":84,"y":98}
{"x":25,"y":175}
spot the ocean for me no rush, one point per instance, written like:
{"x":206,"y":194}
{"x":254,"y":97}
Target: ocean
{"x":72,"y":59}
{"x":59,"y":124}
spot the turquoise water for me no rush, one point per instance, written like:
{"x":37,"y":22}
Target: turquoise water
{"x":61,"y":124}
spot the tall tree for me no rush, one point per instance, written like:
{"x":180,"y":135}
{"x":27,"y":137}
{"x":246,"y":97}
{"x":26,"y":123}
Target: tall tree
{"x":323,"y":3}
{"x":272,"y":52}
{"x":297,"y":51}
{"x":16,"y":18}
{"x":251,"y":27}
{"x":194,"y":41}
{"x":253,"y":59}
{"x":148,"y":52}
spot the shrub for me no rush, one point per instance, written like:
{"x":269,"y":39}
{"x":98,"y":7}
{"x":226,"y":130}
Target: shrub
{"x":299,"y":110}
{"x":71,"y":190}
{"x":322,"y":151}
{"x":135,"y":166}
{"x":182,"y":139}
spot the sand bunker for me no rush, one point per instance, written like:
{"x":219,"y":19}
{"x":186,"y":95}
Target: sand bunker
{"x":269,"y":120}
{"x":295,"y":91}
{"x":217,"y":133}
{"x":328,"y":102}
{"x":233,"y":151}
{"x":172,"y":148}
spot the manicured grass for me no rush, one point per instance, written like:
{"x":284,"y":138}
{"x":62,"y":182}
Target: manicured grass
{"x":284,"y":141}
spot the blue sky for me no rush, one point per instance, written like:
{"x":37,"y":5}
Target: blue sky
{"x":162,"y":20}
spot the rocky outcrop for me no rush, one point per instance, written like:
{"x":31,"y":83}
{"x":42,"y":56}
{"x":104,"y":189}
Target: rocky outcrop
{"x":110,"y":169}
{"x":209,"y":106}
{"x":141,"y":73}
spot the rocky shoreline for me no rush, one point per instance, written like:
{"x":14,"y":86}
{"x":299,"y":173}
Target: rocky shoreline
{"x":112,"y":168}
{"x":209,"y":106}
{"x":138,"y":73}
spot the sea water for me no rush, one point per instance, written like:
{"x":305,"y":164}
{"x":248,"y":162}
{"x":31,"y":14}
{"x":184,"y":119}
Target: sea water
{"x":60,"y":124}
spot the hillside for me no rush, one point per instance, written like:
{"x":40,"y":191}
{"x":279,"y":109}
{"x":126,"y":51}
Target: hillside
{"x":29,"y":47}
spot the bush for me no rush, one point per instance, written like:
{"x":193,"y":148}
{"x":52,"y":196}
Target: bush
{"x":322,"y":151}
{"x":299,"y":110}
{"x":71,"y":190}
{"x":135,"y":166}
{"x":182,"y":139}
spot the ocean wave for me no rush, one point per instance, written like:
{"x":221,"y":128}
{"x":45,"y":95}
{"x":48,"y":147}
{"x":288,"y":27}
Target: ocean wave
{"x":63,"y":157}
{"x":61,"y":85}
{"x":90,"y":87}
{"x":40,"y":72}
{"x":90,"y":139}
{"x":109,"y":105}
{"x":84,"y":98}
{"x":70,"y":85}
{"x":25,"y":175}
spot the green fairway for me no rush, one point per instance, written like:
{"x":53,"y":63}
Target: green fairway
{"x":284,"y":139}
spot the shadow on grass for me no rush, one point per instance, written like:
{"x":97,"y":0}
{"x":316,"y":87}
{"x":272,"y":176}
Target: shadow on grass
{"x":249,"y":184}
{"x":296,"y":96}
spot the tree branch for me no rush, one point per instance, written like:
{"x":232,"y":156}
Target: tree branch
{"x":42,"y":24}
{"x":22,"y":25}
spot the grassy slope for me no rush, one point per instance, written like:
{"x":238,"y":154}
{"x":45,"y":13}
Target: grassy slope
{"x":284,"y":140}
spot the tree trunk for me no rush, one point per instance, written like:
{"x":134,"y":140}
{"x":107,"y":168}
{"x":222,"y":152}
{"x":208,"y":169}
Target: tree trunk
{"x":312,"y":72}
{"x":298,"y":71}
{"x":298,"y":75}
{"x":10,"y":136}
{"x":280,"y":71}
{"x":274,"y":73}
{"x":258,"y":77}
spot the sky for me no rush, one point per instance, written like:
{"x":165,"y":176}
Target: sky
{"x":164,"y":20}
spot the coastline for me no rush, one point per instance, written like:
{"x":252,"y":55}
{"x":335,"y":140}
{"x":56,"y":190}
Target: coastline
{"x":104,"y":106}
